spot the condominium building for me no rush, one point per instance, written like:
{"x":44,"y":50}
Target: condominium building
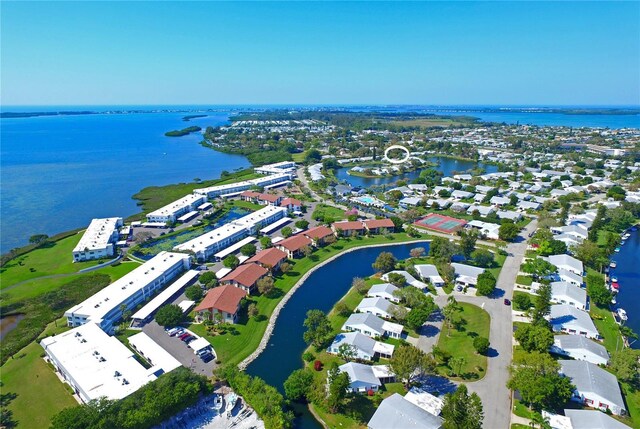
{"x":105,"y":308}
{"x":277,"y":168}
{"x":236,"y":188}
{"x":96,"y":364}
{"x":98,"y":240}
{"x":208,"y":244}
{"x":172,"y":211}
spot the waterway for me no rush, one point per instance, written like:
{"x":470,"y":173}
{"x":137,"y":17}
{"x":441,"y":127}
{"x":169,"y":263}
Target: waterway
{"x":446,"y":165}
{"x":59,"y":172}
{"x":322,"y":290}
{"x":628,"y":274}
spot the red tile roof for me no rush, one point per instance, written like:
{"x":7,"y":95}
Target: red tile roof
{"x":270,"y":257}
{"x":269,"y":197}
{"x":348,"y":226}
{"x":294,"y":243}
{"x":247,"y":275}
{"x":290,"y":202}
{"x":250,"y":194}
{"x":379,"y":223}
{"x":318,"y":232}
{"x":223,"y":298}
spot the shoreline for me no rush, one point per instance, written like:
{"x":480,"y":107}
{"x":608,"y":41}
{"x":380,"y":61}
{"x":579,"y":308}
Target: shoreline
{"x":276,"y":311}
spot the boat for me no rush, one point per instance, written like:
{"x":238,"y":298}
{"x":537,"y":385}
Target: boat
{"x":613,"y":300}
{"x":232,"y":398}
{"x":622,"y":314}
{"x":615,"y":285}
{"x":622,"y":243}
{"x":626,"y":236}
{"x":614,"y":279}
{"x":617,"y":250}
{"x":218,"y":402}
{"x":613,"y":264}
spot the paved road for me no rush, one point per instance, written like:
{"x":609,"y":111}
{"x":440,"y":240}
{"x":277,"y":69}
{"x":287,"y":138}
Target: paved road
{"x":492,"y":388}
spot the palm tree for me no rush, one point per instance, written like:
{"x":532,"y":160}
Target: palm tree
{"x":538,"y":419}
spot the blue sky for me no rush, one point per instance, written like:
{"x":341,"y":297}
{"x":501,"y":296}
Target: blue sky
{"x":549,"y":53}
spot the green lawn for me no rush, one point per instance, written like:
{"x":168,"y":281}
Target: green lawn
{"x":52,"y":258}
{"x":607,"y":327}
{"x":521,"y":410}
{"x":41,"y":395}
{"x":524,"y":280}
{"x":460,"y":343}
{"x":38,"y":286}
{"x":245,"y":205}
{"x":328,"y":211}
{"x":233,"y":347}
{"x":154,"y":197}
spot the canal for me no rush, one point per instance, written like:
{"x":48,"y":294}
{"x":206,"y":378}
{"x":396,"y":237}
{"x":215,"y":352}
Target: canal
{"x":445,"y":165}
{"x":322,"y":290}
{"x":628,"y":274}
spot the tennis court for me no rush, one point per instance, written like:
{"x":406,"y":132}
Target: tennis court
{"x":441,"y":223}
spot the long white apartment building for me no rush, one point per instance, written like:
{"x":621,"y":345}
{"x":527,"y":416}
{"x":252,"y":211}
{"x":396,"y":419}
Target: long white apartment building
{"x":96,"y":364}
{"x":277,"y":168}
{"x":208,"y":244}
{"x":238,"y":187}
{"x":172,"y":211}
{"x":139,"y":285}
{"x":98,"y":240}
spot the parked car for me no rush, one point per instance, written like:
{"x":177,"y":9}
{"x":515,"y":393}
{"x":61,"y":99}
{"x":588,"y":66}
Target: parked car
{"x":507,"y":302}
{"x":184,"y":335}
{"x":189,"y":339}
{"x":177,"y":332}
{"x":207,"y":357}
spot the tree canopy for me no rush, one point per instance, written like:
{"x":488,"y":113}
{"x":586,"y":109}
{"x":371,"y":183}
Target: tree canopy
{"x":410,"y":363}
{"x":318,"y":328}
{"x":462,"y":410}
{"x":169,"y":315}
{"x":385,"y":262}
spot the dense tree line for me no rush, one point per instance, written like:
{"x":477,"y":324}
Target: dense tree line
{"x":145,"y":408}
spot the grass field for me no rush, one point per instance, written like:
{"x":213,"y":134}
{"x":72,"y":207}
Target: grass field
{"x":40,"y":394}
{"x":460,"y":343}
{"x":323,"y":211}
{"x":524,"y":280}
{"x":53,"y":258}
{"x":35,"y":287}
{"x":233,"y":348}
{"x":154,"y":197}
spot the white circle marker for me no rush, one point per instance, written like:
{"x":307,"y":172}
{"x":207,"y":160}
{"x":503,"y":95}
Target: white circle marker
{"x":397,"y":161}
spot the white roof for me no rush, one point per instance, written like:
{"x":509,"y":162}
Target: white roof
{"x":187,"y":216}
{"x":229,"y":250}
{"x":359,"y":372}
{"x":177,"y":205}
{"x":98,"y":364}
{"x":163,"y":296}
{"x":98,"y":234}
{"x":153,"y":352}
{"x":100,"y":304}
{"x":267,"y":229}
{"x":561,"y":290}
{"x":570,"y":317}
{"x":575,"y":265}
{"x":245,"y":184}
{"x":425,"y":400}
{"x":186,"y":305}
{"x":223,"y":272}
{"x":199,"y":344}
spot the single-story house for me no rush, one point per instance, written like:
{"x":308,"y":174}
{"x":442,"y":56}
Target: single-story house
{"x":365,"y":348}
{"x":466,"y":275}
{"x":348,"y":228}
{"x":580,"y":348}
{"x":484,"y":189}
{"x":592,"y":419}
{"x":569,"y":277}
{"x":568,"y":293}
{"x":425,"y":400}
{"x":378,"y":306}
{"x":372,"y":326}
{"x":484,"y":211}
{"x":567,"y":318}
{"x":383,"y":290}
{"x":568,"y":263}
{"x":579,"y":232}
{"x":429,"y":273}
{"x":395,"y":412}
{"x":224,"y":300}
{"x":251,"y":196}
{"x":410,"y":279}
{"x":293,"y":245}
{"x":379,"y":226}
{"x":489,"y":230}
{"x":361,"y":377}
{"x":509,"y":214}
{"x":499,"y":201}
{"x":245,"y":276}
{"x":270,"y":258}
{"x":409,"y":202}
{"x":528,"y":205}
{"x":595,"y":387}
{"x":461,"y":195}
{"x":318,"y":234}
